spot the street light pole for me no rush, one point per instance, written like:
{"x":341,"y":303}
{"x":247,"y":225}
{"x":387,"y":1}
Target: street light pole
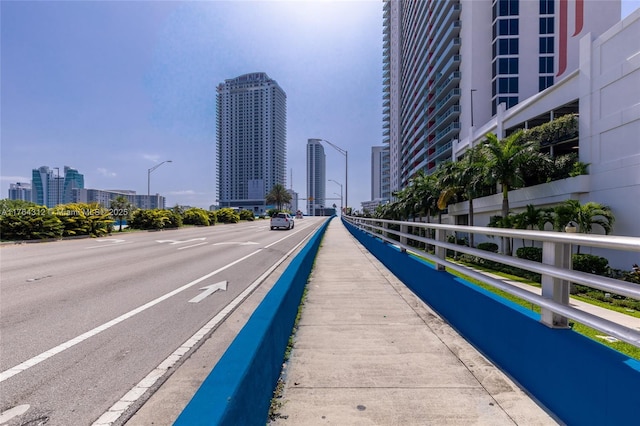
{"x":57,"y":185}
{"x":149,"y":181}
{"x":340,"y":193}
{"x":346,"y":170}
{"x":472,"y":90}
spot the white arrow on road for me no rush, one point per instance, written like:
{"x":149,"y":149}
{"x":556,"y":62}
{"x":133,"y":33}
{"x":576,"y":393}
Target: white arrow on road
{"x":209,"y":290}
{"x":181,"y":242}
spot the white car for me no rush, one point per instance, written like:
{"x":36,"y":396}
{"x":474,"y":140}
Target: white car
{"x":282,"y":220}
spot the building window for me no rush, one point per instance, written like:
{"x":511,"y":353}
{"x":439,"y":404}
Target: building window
{"x":546,"y":7}
{"x":507,"y":66}
{"x":546,"y":65}
{"x":508,"y":7}
{"x":507,"y":27}
{"x":508,"y":85}
{"x":508,"y":46}
{"x":544,"y":82}
{"x":546,"y":25}
{"x":546,"y":44}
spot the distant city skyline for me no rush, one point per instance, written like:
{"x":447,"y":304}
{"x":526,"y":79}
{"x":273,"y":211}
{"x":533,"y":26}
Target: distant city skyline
{"x":114,"y":88}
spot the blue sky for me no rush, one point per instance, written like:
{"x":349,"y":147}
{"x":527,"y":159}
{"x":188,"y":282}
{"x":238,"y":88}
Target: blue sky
{"x":114,"y":87}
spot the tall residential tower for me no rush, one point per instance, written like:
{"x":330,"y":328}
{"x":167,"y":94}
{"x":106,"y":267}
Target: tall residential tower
{"x":449,"y":65}
{"x":251,"y":140}
{"x":316,"y":177}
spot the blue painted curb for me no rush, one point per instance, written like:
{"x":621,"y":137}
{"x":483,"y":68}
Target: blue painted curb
{"x":238,"y":390}
{"x":581,"y":381}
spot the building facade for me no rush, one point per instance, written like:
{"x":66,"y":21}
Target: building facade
{"x":20,"y":191}
{"x":49,"y":189}
{"x":316,"y":177}
{"x":604,"y":92}
{"x":448,"y":65}
{"x":72,"y":182}
{"x":105,"y":197}
{"x":380,"y":173}
{"x":250,"y":140}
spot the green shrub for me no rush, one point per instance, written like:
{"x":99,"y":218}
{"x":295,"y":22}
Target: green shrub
{"x":21,"y":220}
{"x":84,"y":219}
{"x":196,"y":216}
{"x":155,"y":219}
{"x":492,"y":247}
{"x":530,"y":253}
{"x":213,"y":218}
{"x":227,"y":215}
{"x":247,"y":215}
{"x":590,"y":263}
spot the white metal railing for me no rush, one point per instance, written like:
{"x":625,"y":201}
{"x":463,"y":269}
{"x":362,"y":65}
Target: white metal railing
{"x":555,"y":268}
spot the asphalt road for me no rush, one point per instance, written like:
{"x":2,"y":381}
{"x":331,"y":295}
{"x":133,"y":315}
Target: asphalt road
{"x":88,"y":325}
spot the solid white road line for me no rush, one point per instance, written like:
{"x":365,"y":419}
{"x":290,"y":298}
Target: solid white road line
{"x":70,"y":343}
{"x":117,"y":409}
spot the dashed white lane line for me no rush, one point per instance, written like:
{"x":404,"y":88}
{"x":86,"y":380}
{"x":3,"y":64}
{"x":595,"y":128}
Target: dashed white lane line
{"x":114,"y":413}
{"x":195,"y":245}
{"x":70,"y":343}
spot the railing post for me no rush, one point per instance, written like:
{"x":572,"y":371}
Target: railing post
{"x":441,"y":252}
{"x":559,"y":255}
{"x":403,"y":240}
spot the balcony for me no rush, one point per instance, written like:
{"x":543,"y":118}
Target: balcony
{"x":449,"y":131}
{"x":448,"y":100}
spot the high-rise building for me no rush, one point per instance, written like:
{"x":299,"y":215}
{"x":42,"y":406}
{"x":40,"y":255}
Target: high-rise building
{"x":20,"y":191}
{"x":379,"y":173}
{"x":448,"y":65}
{"x":72,"y":181}
{"x":251,"y":140}
{"x":49,"y":189}
{"x":316,"y":177}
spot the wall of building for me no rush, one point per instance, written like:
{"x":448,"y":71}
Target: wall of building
{"x":607,"y":85}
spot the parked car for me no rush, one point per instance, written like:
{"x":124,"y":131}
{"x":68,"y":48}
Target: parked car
{"x":282,"y":220}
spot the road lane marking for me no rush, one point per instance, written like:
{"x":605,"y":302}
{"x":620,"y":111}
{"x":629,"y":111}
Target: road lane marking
{"x":172,"y":242}
{"x":209,"y":290}
{"x":246,"y":243}
{"x":195,"y":245}
{"x":16,"y":411}
{"x":70,"y":343}
{"x":115,"y":412}
{"x":109,"y":245}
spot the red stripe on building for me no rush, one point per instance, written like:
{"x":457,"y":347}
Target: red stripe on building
{"x":579,"y":16}
{"x":562,"y":39}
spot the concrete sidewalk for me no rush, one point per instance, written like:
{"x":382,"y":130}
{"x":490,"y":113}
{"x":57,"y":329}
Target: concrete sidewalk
{"x":369,"y":352}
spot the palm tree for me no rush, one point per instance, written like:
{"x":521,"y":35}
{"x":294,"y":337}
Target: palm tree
{"x":121,"y":209}
{"x":278,"y":196}
{"x":531,"y":218}
{"x":424,"y":189}
{"x":504,"y":161}
{"x":585,"y":216}
{"x":466,"y":177}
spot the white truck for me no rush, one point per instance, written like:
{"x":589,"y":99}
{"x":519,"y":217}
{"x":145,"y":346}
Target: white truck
{"x":282,"y":220}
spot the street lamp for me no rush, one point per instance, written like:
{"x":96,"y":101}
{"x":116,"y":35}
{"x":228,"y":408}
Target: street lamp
{"x":340,"y":192}
{"x":57,"y":185}
{"x":472,"y":90}
{"x":149,"y":181}
{"x":346,"y":169}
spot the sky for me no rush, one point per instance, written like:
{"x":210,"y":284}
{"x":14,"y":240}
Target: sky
{"x":113,"y":88}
